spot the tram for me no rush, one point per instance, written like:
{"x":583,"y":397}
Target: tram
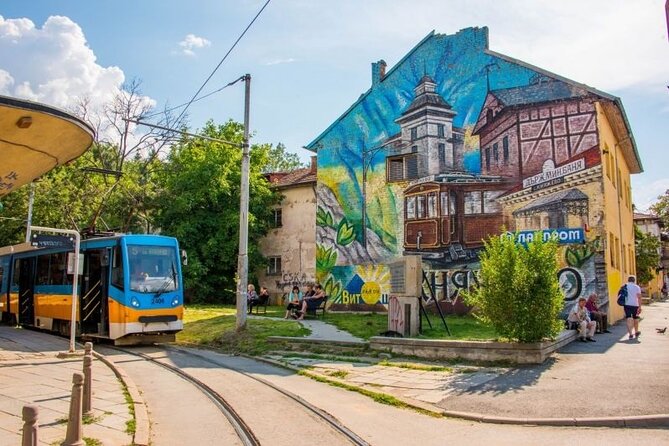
{"x":130,"y":288}
{"x":447,"y":221}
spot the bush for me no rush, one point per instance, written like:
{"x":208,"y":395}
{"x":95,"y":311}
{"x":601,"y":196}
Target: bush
{"x":518,"y":291}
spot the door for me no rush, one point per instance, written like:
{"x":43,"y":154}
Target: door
{"x":93,"y":305}
{"x":26,"y":269}
{"x":454,"y":202}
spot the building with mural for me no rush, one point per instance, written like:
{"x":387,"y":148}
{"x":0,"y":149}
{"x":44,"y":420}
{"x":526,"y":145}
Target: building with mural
{"x":290,"y":246}
{"x":457,"y":143}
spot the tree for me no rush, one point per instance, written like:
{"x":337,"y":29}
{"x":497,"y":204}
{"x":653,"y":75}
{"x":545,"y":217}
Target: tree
{"x":518,"y":290}
{"x":647,"y":255}
{"x":661,"y":208}
{"x":279,"y":160}
{"x":199,"y":205}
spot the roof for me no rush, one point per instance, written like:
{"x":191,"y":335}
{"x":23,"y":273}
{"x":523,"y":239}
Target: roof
{"x":642,"y":216}
{"x":549,"y":201}
{"x":551,"y":90}
{"x":295,"y":177}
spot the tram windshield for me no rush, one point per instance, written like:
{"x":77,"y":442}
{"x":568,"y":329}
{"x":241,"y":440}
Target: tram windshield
{"x":153,"y":269}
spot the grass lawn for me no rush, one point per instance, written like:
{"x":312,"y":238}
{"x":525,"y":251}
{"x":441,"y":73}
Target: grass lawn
{"x":214,"y":326}
{"x":367,"y":325}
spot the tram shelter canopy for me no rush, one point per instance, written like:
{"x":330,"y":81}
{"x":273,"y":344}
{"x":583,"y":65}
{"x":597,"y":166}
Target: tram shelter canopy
{"x":35,"y":138}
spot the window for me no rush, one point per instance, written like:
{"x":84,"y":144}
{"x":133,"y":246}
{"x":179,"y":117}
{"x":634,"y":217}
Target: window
{"x":117,"y":267}
{"x":440,"y":130}
{"x":620,"y":189}
{"x":2,"y":279}
{"x":52,"y":270}
{"x":420,"y":206}
{"x":609,"y":164}
{"x":487,"y":158}
{"x":444,"y":203}
{"x":276,"y":222}
{"x":402,"y":168}
{"x":432,"y":204}
{"x":612,"y":256}
{"x":411,"y":207}
{"x":495,"y":152}
{"x":490,"y":203}
{"x":473,"y":202}
{"x":274,"y":266}
{"x":152,"y":268}
{"x":16,"y":274}
{"x":442,"y":154}
{"x":505,"y":149}
{"x":414,"y":133}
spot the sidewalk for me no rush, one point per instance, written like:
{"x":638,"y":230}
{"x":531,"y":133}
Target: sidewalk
{"x":30,"y":373}
{"x":613,"y":379}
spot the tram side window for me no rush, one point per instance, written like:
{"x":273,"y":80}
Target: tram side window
{"x":421,"y":206}
{"x":490,"y":203}
{"x":2,"y":279}
{"x":432,"y":205}
{"x":117,"y":268}
{"x":16,"y":274}
{"x":52,"y":270}
{"x":444,"y":203}
{"x":411,"y":207}
{"x":473,"y":202}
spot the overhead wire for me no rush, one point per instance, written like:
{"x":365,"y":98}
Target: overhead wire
{"x":221,"y":62}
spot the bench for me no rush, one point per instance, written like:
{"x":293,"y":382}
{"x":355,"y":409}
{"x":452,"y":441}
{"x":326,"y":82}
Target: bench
{"x":263,"y":302}
{"x":321,"y":307}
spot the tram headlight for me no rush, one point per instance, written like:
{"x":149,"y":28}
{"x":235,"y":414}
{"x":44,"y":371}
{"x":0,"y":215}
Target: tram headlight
{"x":175,"y":301}
{"x":134,"y":302}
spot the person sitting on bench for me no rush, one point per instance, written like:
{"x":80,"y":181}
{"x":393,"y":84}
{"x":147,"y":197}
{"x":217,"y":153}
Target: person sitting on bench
{"x":294,"y":301}
{"x":579,"y":315}
{"x":596,"y":314}
{"x":312,"y":301}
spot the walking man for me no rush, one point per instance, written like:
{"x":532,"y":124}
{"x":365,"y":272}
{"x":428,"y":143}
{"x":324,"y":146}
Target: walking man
{"x":632,"y":307}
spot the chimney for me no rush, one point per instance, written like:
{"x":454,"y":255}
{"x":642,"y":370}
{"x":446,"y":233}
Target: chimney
{"x":378,"y":71}
{"x":314,"y":164}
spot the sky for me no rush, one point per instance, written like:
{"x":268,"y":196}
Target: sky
{"x":311,"y":59}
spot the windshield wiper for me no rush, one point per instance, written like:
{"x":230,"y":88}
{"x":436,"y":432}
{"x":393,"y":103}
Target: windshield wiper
{"x":167,"y":282}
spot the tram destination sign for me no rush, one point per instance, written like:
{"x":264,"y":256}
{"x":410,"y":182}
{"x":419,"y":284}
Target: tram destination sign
{"x":52,"y":241}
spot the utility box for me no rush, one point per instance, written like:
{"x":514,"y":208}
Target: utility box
{"x":403,"y":315}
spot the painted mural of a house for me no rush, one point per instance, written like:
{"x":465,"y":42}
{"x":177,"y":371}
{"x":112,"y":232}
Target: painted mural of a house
{"x":457,"y":143}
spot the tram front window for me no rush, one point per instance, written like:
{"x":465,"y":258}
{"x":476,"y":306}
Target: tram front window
{"x":153,"y":269}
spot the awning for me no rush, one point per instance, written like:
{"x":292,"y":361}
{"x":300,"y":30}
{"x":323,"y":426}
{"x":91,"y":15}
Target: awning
{"x":572,"y":200}
{"x":35,"y":138}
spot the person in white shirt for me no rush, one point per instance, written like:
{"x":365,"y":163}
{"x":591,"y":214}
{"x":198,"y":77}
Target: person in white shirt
{"x":579,"y":315}
{"x":632,"y":307}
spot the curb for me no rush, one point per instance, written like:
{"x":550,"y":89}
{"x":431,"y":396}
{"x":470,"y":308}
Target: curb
{"x":142,"y":425}
{"x":639,"y":421}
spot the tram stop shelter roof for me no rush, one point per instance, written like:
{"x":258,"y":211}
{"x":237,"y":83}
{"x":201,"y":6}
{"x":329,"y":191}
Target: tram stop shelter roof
{"x":35,"y":138}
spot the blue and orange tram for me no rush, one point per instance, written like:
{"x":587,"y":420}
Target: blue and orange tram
{"x":130,"y":289}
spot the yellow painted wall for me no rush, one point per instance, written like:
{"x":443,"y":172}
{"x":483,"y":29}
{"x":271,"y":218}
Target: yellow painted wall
{"x":618,"y":215}
{"x":294,"y":242}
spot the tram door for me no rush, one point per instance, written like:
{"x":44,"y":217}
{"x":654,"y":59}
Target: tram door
{"x":26,"y":271}
{"x":455,"y":210}
{"x":93,"y":305}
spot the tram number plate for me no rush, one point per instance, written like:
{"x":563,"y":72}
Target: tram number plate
{"x":158,"y":300}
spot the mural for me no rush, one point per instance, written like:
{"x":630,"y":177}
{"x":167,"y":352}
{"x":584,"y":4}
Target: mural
{"x":455,"y":144}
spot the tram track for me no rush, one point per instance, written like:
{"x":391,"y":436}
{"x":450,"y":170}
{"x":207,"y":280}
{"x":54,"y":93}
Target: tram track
{"x":242,"y":429}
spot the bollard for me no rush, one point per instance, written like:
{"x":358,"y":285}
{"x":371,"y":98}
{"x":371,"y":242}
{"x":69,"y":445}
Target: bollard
{"x":74,"y":428}
{"x":88,"y":349}
{"x":29,"y":426}
{"x":88,"y":391}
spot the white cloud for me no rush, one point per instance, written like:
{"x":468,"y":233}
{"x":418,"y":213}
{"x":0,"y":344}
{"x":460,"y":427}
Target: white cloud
{"x":192,"y":42}
{"x":647,"y":194}
{"x":280,"y":61}
{"x":53,"y":64}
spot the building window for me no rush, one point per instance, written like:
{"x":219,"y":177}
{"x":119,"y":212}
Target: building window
{"x":609,"y":164}
{"x":620,"y":189}
{"x":277,"y":218}
{"x":440,"y":130}
{"x":402,"y":168}
{"x":444,"y":203}
{"x":505,"y":149}
{"x":487,"y":158}
{"x":410,"y":207}
{"x":490,"y":203}
{"x":473,"y":202}
{"x":442,"y":154}
{"x":274,"y":266}
{"x":495,"y":152}
{"x":414,"y":133}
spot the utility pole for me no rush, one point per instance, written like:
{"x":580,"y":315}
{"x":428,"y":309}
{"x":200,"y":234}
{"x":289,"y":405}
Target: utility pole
{"x":243,"y":258}
{"x":31,"y":200}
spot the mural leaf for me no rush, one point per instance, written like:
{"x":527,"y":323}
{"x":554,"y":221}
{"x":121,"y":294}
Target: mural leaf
{"x":332,"y":289}
{"x":326,"y":258}
{"x":324,"y":218}
{"x":345,"y":233}
{"x":572,"y":258}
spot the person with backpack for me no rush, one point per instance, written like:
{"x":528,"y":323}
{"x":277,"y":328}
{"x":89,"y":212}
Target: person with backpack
{"x":632,"y":307}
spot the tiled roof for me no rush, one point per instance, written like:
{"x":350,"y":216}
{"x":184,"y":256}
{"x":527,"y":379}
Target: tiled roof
{"x":642,"y":216}
{"x":297,"y":176}
{"x":540,"y":92}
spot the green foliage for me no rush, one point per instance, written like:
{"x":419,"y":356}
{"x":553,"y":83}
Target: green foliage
{"x":345,"y":233}
{"x":647,"y":255}
{"x":576,"y":256}
{"x":279,"y":160}
{"x":326,"y":258}
{"x":332,"y":288}
{"x":324,"y":218}
{"x":198,"y":204}
{"x":518,"y":291}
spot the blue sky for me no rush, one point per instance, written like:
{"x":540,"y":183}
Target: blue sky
{"x":310,"y":59}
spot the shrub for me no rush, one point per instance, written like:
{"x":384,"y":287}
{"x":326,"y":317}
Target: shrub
{"x":518,"y":291}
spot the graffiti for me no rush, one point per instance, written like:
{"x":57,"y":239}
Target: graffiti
{"x":294,"y":279}
{"x":10,"y":178}
{"x":571,"y":283}
{"x":395,"y":315}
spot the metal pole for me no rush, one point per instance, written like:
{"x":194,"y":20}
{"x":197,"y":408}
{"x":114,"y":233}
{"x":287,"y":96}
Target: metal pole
{"x":30,"y":211}
{"x":75,"y":276}
{"x":243,"y":260}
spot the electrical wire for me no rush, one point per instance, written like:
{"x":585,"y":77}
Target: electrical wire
{"x":221,"y":62}
{"x":198,"y":99}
